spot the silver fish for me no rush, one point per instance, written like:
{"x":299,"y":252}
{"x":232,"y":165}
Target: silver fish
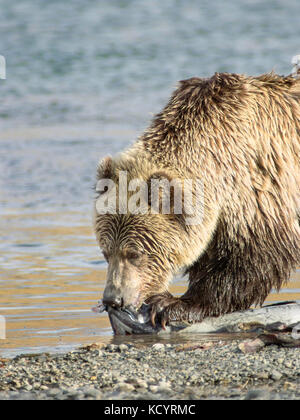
{"x":129,"y":321}
{"x":285,"y":313}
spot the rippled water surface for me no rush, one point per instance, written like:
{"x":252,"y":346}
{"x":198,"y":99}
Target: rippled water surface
{"x":83,"y":78}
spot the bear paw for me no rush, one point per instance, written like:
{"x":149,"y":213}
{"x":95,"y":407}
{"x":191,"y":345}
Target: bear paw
{"x":165,"y":308}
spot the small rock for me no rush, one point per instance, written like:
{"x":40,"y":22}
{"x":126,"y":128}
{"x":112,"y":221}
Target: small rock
{"x":275,"y":375}
{"x":17,"y":384}
{"x":288,"y":364}
{"x":94,"y":346}
{"x":93,"y":393}
{"x":153,"y":388}
{"x":123,"y":347}
{"x":263,"y":375}
{"x":251,"y":346}
{"x":112,"y":347}
{"x":158,"y":347}
{"x":164,"y":387}
{"x":53,"y":392}
{"x":124,"y":387}
{"x":138,"y":383}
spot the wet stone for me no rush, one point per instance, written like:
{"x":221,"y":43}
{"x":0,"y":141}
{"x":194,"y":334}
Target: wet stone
{"x":222,"y":371}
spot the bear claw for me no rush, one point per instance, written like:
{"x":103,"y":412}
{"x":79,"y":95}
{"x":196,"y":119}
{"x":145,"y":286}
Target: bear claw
{"x":161,"y":306}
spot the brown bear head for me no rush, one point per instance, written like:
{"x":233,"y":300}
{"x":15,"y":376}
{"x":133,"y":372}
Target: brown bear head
{"x":143,"y":237}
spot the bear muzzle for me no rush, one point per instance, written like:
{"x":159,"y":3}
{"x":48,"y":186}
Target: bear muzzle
{"x":112,"y":297}
{"x":123,"y":285}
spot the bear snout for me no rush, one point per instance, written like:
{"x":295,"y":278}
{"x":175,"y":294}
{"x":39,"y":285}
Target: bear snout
{"x":112,"y":297}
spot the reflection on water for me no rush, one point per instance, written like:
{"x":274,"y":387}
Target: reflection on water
{"x":83,"y":79}
{"x":51,"y":275}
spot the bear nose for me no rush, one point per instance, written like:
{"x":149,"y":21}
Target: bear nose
{"x":114,"y":301}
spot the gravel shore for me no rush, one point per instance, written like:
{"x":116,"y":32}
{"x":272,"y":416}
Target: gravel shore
{"x":161,"y":371}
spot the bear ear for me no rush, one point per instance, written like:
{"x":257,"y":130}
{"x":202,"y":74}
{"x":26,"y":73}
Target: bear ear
{"x":105,"y":168}
{"x":158,"y":188}
{"x":165,"y":194}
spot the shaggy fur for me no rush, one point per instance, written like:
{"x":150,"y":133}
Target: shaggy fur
{"x":241,"y":136}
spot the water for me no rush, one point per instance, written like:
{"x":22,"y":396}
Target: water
{"x":83,"y":79}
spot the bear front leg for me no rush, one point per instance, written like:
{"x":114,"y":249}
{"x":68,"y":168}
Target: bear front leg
{"x":193,"y":306}
{"x":166,"y":308}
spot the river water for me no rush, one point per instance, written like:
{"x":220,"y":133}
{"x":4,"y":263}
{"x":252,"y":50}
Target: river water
{"x":82,"y":80}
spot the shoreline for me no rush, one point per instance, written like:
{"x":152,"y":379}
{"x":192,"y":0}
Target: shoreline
{"x":188,"y":371}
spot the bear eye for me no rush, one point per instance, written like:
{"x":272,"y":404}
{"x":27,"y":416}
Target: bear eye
{"x":133,"y":255}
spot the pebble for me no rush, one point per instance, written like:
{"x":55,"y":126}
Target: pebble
{"x":160,"y":371}
{"x":124,"y":387}
{"x":275,"y":375}
{"x":123,"y":347}
{"x":153,"y":388}
{"x":158,"y":347}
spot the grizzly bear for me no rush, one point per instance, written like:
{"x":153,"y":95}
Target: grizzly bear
{"x":240,"y":136}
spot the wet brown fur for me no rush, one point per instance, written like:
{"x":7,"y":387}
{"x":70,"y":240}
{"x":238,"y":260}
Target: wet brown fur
{"x":241,"y":136}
